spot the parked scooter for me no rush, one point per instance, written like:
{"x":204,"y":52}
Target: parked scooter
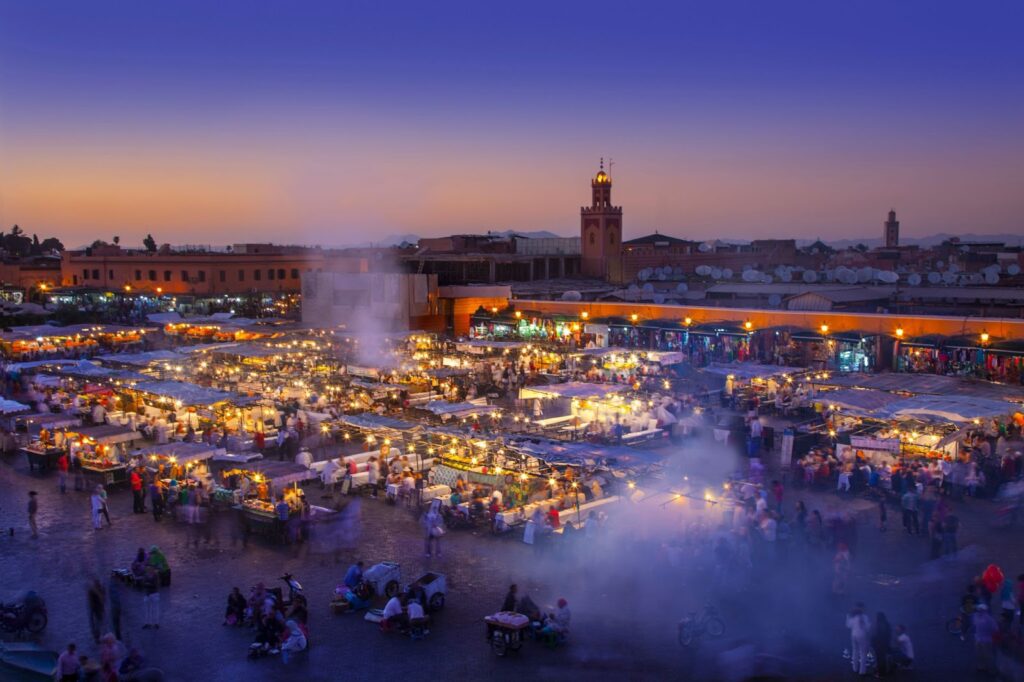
{"x":27,"y":613}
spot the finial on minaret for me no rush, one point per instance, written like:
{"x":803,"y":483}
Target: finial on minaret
{"x":602,"y":163}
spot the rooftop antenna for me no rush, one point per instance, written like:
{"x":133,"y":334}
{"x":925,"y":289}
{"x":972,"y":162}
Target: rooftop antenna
{"x":610,"y":164}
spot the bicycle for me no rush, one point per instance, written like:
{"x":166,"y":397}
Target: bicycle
{"x":691,"y":627}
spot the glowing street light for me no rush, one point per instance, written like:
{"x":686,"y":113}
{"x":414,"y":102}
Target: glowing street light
{"x":824,"y":329}
{"x":899,"y":332}
{"x":748,"y":325}
{"x":984,"y":337}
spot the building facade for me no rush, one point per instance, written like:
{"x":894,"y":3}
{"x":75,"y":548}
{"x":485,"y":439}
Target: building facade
{"x":246,"y":268}
{"x":371,"y":303}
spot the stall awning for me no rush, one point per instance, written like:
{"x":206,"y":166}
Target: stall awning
{"x":142,"y":359}
{"x":859,"y":402}
{"x":750,"y":370}
{"x":573,"y":389}
{"x":109,"y":434}
{"x":12,"y":407}
{"x":182,"y":452}
{"x":190,"y":394}
{"x":281,"y":474}
{"x":577,"y":454}
{"x":927,"y":384}
{"x":479,"y":347}
{"x":371,"y":421}
{"x":954,"y":408}
{"x":90,"y":370}
{"x":443,"y":407}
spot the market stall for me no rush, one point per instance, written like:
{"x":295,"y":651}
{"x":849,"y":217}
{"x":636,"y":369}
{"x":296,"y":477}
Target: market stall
{"x":103,"y":451}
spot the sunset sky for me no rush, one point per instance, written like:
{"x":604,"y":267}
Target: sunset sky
{"x":341,"y":122}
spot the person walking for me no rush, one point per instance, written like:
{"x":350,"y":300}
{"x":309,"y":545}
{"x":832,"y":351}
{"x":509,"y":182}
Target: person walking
{"x":156,"y":499}
{"x":434,"y":527}
{"x":62,"y":472}
{"x":985,"y":629}
{"x":883,"y":516}
{"x":96,"y":503}
{"x":103,"y":498}
{"x":151,"y":600}
{"x":909,"y":504}
{"x":114,"y":597}
{"x":96,"y":602}
{"x":138,"y":501}
{"x":33,"y":509}
{"x":860,"y":640}
{"x":881,"y":643}
{"x":69,"y":668}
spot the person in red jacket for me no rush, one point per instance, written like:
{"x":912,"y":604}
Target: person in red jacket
{"x":62,"y":472}
{"x":138,"y":498}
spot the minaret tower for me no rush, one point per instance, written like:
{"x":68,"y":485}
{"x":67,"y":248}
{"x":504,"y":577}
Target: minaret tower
{"x":601,"y":231}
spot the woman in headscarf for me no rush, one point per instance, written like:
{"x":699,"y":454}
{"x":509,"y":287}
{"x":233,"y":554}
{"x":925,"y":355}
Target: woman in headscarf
{"x":295,"y":640}
{"x":158,"y":561}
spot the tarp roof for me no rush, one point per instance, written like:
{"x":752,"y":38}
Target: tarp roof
{"x":141,"y":359}
{"x":12,"y":406}
{"x":369,"y":420}
{"x":442,"y":407}
{"x":861,"y":402}
{"x":577,"y":453}
{"x":954,"y":408}
{"x":280,"y":473}
{"x":90,"y":370}
{"x":930,"y":384}
{"x":182,"y":452}
{"x":577,"y":389}
{"x":750,"y":370}
{"x":189,"y":394}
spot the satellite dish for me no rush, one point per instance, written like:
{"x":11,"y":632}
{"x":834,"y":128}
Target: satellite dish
{"x":682,"y":288}
{"x":648,"y":288}
{"x":751,"y":276}
{"x":914,"y":279}
{"x":864,"y":275}
{"x":704,"y":248}
{"x":830,"y":275}
{"x":767,"y":279}
{"x":726,"y":273}
{"x":633,"y":287}
{"x":975,"y":278}
{"x":677,"y":272}
{"x":775,"y":300}
{"x":953,"y":267}
{"x":716,"y":273}
{"x":991,"y":278}
{"x":994,"y":269}
{"x":949,"y":277}
{"x":934,"y":278}
{"x":888,"y":276}
{"x":572,"y":296}
{"x":659,"y":298}
{"x":810,"y":276}
{"x":703,"y":270}
{"x":940,"y":264}
{"x":850,"y":277}
{"x":787,"y":275}
{"x":662,"y":276}
{"x":1013,"y":269}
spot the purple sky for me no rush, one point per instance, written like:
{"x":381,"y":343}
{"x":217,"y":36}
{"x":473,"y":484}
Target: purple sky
{"x":344,"y":122}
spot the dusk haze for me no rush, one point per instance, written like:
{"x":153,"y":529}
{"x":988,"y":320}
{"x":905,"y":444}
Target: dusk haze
{"x":474,"y":340}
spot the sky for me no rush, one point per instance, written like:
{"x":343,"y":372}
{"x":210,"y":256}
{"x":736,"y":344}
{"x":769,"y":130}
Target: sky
{"x":343,"y":122}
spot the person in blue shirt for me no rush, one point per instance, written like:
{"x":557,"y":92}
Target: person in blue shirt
{"x":354,"y":575}
{"x":282,"y":509}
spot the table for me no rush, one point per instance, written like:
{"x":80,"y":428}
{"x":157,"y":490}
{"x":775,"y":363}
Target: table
{"x":433,"y":491}
{"x":106,"y":475}
{"x":42,"y":458}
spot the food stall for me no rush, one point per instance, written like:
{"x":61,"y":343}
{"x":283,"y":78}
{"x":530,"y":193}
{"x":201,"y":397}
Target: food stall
{"x":178,"y":461}
{"x":255,"y":488}
{"x":103,"y":451}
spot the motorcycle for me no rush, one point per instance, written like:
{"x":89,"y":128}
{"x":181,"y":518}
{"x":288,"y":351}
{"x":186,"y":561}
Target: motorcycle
{"x":294,"y":590}
{"x":691,"y":627}
{"x":27,"y":613}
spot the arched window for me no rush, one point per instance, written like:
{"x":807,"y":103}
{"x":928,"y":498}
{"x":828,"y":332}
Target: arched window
{"x":611,"y":238}
{"x":591,"y":237}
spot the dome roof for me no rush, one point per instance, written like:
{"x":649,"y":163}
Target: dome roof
{"x":601,"y":177}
